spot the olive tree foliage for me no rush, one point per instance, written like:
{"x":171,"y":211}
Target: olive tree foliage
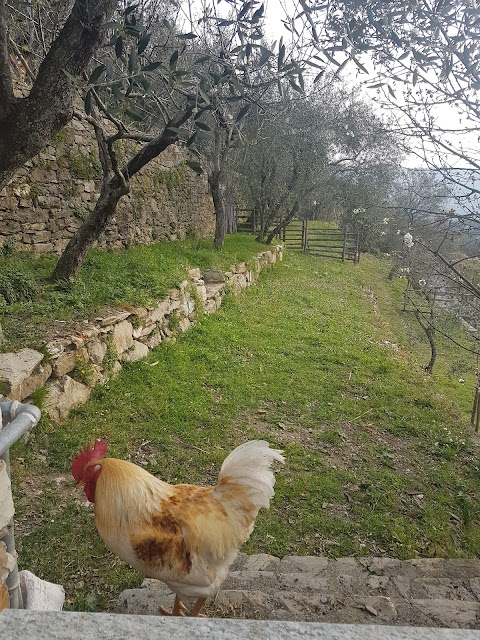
{"x":420,"y":59}
{"x":309,"y":153}
{"x":148,"y":76}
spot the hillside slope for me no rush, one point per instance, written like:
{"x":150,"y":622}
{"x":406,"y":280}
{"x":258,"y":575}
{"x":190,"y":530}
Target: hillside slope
{"x":319,"y":360}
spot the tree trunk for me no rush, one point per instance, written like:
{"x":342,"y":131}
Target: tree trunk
{"x":430,"y":332}
{"x":113,"y":189}
{"x":220,"y":212}
{"x":72,"y":258}
{"x":29,"y":123}
{"x":283,"y":223}
{"x":230,"y":212}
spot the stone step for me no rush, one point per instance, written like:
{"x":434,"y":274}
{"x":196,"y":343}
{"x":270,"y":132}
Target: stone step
{"x":44,"y":625}
{"x":420,"y":592}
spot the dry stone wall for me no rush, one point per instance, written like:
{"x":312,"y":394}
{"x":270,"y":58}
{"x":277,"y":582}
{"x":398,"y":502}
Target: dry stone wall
{"x":96,"y":351}
{"x":48,"y":199}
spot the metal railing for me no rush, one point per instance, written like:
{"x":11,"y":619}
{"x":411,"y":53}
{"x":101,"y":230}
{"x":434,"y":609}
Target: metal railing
{"x":17,"y":419}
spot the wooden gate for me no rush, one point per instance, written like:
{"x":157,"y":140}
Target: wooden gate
{"x":340,"y":244}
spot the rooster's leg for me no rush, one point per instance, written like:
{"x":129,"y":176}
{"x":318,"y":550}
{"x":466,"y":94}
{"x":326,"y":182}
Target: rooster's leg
{"x":195,"y":612}
{"x":178,"y":608}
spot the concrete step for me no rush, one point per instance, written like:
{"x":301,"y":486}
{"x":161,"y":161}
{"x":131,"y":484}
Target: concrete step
{"x":421,"y":592}
{"x":45,"y":625}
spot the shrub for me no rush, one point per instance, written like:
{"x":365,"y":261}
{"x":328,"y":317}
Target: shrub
{"x":15,"y":285}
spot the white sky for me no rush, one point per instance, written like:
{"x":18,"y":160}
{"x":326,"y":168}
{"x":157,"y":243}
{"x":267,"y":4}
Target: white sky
{"x":446,"y":116}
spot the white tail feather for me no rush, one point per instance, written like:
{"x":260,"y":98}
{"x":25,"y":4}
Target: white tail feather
{"x":250,"y":465}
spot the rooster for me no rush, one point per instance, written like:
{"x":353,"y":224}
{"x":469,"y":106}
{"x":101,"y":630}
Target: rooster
{"x":184,"y":535}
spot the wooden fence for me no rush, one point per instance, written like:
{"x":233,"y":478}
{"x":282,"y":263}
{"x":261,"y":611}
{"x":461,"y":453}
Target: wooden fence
{"x":302,"y":235}
{"x":340,"y":244}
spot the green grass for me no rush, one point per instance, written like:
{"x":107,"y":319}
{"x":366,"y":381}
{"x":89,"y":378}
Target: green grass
{"x":134,"y":276}
{"x":319,"y":360}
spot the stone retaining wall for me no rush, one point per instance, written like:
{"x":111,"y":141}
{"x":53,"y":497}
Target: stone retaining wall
{"x":50,"y":197}
{"x":96,"y":351}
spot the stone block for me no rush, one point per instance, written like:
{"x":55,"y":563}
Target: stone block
{"x":122,"y":336}
{"x":195,"y":274}
{"x":379,"y":566}
{"x":450,"y":613}
{"x":380,"y":607}
{"x":9,"y":227}
{"x":113,"y":319}
{"x":63,"y":395}
{"x":136,"y":352}
{"x":15,"y":368}
{"x":40,"y":595}
{"x":210,"y":306}
{"x":144,"y":331}
{"x":214,"y":289}
{"x":153,"y":340}
{"x":308,"y":564}
{"x":260,"y":562}
{"x":96,"y":350}
{"x":239,"y":282}
{"x":35,"y":381}
{"x":65,"y":363}
{"x":161,"y":310}
{"x":144,"y":601}
{"x":45,"y":247}
{"x":213,"y":276}
{"x":303,"y":582}
{"x":201,"y":290}
{"x":49,"y":202}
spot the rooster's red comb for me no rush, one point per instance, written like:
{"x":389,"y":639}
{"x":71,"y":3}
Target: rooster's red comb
{"x":98,"y":450}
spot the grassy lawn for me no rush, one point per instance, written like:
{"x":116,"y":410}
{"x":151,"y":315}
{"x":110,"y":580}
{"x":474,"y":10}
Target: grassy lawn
{"x":37,"y":309}
{"x":319,"y":360}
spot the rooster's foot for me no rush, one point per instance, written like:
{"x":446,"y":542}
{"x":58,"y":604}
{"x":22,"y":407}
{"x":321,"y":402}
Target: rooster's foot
{"x":179,"y":609}
{"x":195,"y":612}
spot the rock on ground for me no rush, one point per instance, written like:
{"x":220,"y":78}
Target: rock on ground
{"x":40,"y":595}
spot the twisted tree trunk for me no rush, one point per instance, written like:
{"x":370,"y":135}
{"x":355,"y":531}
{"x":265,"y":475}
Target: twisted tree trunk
{"x":113,"y":188}
{"x":214,"y":180}
{"x":28,"y":124}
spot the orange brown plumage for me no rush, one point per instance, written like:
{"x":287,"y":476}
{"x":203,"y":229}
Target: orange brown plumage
{"x":185,"y":535}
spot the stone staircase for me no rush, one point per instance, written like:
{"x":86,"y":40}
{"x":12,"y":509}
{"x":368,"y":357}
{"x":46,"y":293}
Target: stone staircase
{"x":420,"y":592}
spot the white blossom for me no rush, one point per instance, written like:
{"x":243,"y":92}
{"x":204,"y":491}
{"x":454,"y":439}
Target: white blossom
{"x":408,"y":240}
{"x":386,"y":220}
{"x":422,"y":282}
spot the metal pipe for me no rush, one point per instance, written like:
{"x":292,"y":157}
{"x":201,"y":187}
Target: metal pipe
{"x":18,"y":419}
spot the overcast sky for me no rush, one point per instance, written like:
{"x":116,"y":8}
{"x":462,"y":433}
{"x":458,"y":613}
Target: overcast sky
{"x":446,"y":116}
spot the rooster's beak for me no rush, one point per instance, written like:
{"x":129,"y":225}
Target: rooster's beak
{"x":79,"y":484}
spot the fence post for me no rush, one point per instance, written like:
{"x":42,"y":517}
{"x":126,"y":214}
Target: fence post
{"x":344,"y":243}
{"x":304,"y":234}
{"x":357,"y":248}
